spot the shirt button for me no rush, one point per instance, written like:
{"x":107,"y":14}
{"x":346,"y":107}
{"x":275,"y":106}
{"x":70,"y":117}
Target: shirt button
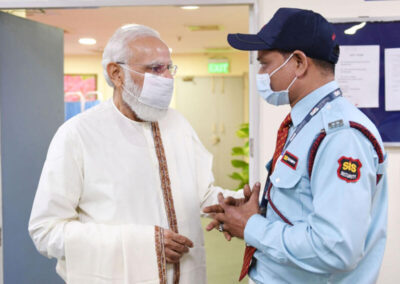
{"x":277,"y":180}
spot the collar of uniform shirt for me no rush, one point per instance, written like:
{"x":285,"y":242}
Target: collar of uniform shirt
{"x":304,"y":106}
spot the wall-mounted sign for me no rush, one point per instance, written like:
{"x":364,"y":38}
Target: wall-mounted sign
{"x":218,"y":66}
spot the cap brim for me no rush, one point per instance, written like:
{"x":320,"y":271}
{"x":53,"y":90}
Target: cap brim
{"x":247,"y":42}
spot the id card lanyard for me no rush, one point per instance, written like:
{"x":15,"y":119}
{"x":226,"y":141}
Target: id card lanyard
{"x":328,"y":98}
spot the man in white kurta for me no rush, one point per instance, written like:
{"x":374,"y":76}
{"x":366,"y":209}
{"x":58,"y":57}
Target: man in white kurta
{"x":110,"y":188}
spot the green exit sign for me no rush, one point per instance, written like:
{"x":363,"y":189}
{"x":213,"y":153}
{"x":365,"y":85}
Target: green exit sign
{"x":218,"y":67}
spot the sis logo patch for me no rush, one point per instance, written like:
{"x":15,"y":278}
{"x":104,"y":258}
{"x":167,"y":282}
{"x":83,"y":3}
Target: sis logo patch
{"x":349,"y":169}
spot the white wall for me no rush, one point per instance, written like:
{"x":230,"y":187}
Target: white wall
{"x":196,"y":65}
{"x":188,"y":65}
{"x":271,"y":117}
{"x":333,"y":9}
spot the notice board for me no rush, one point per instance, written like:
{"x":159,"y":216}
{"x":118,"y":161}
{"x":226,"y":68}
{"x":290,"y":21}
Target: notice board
{"x":386,"y":35}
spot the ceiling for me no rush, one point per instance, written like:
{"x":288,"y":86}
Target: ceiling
{"x":171,"y":22}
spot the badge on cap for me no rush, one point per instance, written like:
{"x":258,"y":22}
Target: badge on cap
{"x":349,"y":169}
{"x":290,"y":160}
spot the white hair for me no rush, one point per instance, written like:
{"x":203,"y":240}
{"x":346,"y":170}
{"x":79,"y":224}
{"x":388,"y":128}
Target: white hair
{"x":117,"y":49}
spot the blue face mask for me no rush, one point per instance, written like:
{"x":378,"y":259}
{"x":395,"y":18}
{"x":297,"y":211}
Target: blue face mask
{"x":264,"y":87}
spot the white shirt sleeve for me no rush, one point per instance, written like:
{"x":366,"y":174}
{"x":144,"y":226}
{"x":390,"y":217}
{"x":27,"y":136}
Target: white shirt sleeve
{"x":57,"y":195}
{"x":208,"y":192}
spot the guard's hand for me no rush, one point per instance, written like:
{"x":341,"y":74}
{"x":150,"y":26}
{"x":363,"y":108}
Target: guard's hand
{"x":216,"y":208}
{"x":239,"y":201}
{"x":175,"y":246}
{"x":235,"y":218}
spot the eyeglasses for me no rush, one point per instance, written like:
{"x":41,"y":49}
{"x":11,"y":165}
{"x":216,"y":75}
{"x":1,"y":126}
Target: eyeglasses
{"x":158,"y":68}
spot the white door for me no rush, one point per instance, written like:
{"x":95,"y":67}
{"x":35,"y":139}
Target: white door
{"x":214,"y":106}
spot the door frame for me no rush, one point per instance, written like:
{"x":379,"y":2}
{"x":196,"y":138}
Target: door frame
{"x":22,"y":4}
{"x":254,"y":101}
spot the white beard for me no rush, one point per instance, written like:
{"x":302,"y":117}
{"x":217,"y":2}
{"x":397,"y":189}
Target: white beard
{"x":130,"y":95}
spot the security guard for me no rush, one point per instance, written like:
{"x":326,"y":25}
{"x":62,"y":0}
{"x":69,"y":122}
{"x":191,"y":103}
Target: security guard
{"x":323,"y":213}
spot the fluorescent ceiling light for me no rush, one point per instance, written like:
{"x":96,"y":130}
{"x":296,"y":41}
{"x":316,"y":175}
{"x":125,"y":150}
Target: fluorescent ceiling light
{"x":87,"y":41}
{"x":354,"y":29}
{"x":190,"y":7}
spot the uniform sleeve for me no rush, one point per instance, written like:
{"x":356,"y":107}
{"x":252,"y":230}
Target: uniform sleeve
{"x":332,"y":238}
{"x":89,"y":250}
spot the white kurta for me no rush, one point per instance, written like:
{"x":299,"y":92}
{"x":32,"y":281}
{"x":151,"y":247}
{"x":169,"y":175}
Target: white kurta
{"x":99,"y":197}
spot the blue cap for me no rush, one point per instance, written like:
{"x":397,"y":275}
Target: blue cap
{"x":293,"y":29}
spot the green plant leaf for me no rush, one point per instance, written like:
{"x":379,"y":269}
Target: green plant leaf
{"x":236,"y":176}
{"x":244,"y":125}
{"x":239,"y":164}
{"x":242,"y":133}
{"x":238,"y":151}
{"x":243,"y":175}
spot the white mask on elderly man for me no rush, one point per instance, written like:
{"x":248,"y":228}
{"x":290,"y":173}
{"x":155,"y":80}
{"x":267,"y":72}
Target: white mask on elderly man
{"x":152,"y":101}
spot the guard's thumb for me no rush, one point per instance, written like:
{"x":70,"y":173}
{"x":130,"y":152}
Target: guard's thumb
{"x":255,"y":192}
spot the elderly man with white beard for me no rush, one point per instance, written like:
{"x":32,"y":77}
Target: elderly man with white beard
{"x":123,"y":184}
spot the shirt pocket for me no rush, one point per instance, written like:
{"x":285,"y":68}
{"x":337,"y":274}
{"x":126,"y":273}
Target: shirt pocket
{"x":285,"y":193}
